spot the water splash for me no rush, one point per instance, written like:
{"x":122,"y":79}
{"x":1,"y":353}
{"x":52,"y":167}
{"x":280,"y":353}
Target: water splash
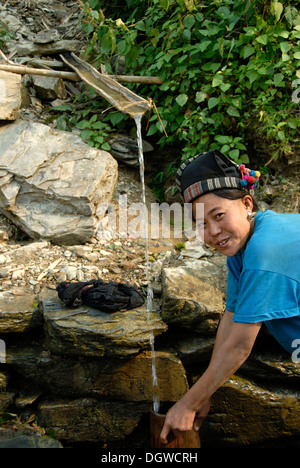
{"x":156,"y":402}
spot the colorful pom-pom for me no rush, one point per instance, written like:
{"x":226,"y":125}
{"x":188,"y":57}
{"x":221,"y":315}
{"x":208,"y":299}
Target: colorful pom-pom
{"x":250,"y":178}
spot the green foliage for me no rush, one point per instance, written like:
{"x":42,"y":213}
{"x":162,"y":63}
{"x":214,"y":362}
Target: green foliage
{"x":227,"y":68}
{"x":5,"y":36}
{"x":94,"y":130}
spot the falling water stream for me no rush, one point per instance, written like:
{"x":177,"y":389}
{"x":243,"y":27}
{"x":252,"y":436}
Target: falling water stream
{"x":133,"y":105}
{"x":138,"y":119}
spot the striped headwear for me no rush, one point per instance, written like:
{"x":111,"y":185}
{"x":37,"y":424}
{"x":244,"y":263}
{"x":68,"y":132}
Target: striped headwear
{"x":205,"y":173}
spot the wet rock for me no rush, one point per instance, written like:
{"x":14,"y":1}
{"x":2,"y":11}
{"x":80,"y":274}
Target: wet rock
{"x":268,"y":416}
{"x":90,"y":420}
{"x":52,"y":183}
{"x":125,"y":379}
{"x":10,"y":95}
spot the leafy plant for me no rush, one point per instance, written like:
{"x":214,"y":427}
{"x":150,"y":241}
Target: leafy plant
{"x":5,"y":36}
{"x":94,"y":129}
{"x":227,"y":68}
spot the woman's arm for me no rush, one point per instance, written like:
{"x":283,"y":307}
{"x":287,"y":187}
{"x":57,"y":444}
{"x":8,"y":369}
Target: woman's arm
{"x":223,"y":332}
{"x":234,"y":343}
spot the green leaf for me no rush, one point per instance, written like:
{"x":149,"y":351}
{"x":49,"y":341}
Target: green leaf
{"x":181,"y":99}
{"x":234,"y":154}
{"x":122,"y":46}
{"x":217,"y":80}
{"x":213,"y":102}
{"x":263,"y":39}
{"x":152,"y":130}
{"x":105,"y":146}
{"x":189,"y":21}
{"x":200,"y":96}
{"x":140,"y":25}
{"x":276,"y":9}
{"x":278,"y":77}
{"x":252,"y":75}
{"x":116,"y":117}
{"x":83,"y":124}
{"x":231,"y":110}
{"x":284,"y":47}
{"x":98,"y":125}
{"x":223,"y":139}
{"x":203,"y":45}
{"x":248,"y":50}
{"x":86,"y":134}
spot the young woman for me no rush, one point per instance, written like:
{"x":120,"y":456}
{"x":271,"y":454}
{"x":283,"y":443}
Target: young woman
{"x":263,"y":260}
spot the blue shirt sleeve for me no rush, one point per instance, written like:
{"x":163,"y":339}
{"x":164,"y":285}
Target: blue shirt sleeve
{"x":264,"y":295}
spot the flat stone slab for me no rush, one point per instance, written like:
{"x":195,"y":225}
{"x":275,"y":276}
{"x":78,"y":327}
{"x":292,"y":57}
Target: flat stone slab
{"x":90,"y":332}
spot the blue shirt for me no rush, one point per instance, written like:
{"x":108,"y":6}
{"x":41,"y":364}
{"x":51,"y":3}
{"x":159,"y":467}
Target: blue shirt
{"x":264,"y":278}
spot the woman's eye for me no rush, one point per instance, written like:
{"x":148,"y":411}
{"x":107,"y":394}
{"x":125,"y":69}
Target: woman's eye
{"x":219,"y":215}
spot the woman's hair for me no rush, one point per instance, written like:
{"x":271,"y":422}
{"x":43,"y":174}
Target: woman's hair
{"x":234,"y":194}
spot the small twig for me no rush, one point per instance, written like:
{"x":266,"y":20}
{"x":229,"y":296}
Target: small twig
{"x":5,"y":58}
{"x":52,"y":265}
{"x":153,"y":105}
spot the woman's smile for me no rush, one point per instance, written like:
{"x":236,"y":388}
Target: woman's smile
{"x":225,"y":224}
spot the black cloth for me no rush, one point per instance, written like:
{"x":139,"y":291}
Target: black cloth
{"x":108,"y":297}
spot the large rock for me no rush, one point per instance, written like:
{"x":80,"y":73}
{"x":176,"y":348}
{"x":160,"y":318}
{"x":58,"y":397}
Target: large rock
{"x":243,"y":413}
{"x":51,"y":183}
{"x":90,"y":420}
{"x":122,"y":379}
{"x":191,"y":297}
{"x":10,"y":95}
{"x":89,"y":332}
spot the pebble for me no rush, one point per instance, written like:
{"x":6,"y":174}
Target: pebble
{"x":18,"y":274}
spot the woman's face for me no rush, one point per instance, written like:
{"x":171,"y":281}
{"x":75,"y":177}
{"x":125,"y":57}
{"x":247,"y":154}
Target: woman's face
{"x":225,"y":224}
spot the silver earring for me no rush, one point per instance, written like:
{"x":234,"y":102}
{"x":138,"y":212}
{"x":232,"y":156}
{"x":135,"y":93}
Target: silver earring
{"x":251,"y":216}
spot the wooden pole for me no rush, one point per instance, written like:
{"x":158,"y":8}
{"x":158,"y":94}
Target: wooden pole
{"x":24,"y":70}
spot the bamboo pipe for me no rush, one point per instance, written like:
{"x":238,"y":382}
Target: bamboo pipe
{"x":24,"y":70}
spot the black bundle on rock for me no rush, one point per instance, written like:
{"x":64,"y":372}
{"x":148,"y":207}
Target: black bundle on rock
{"x":108,"y":297}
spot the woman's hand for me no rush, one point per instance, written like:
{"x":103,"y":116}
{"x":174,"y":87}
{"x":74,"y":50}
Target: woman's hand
{"x":201,"y":414}
{"x":178,"y":419}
